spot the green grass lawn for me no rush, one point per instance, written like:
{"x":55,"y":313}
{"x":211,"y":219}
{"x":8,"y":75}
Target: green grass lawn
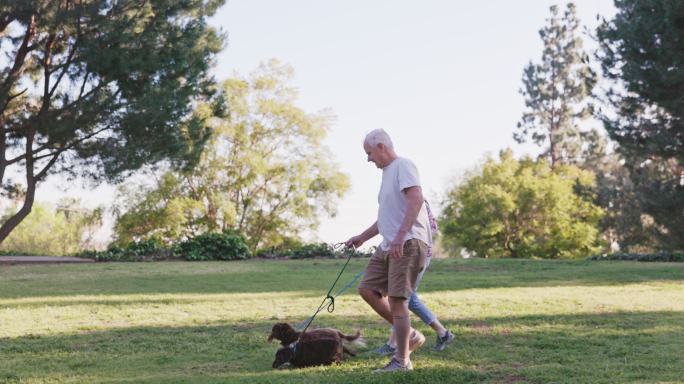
{"x":516,"y":321}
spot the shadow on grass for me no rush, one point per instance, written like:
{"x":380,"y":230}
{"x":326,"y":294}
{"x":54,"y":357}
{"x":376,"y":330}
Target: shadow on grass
{"x":624,"y":347}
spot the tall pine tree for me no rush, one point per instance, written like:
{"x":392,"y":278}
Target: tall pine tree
{"x":556,"y":91}
{"x":642,"y":50}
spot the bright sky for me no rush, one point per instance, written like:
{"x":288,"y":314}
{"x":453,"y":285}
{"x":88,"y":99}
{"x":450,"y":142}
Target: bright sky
{"x":441,"y":77}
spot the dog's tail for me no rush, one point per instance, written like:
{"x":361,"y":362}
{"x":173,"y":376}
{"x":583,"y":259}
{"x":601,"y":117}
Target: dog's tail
{"x":355,"y":339}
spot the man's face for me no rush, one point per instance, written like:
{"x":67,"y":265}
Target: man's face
{"x":374,"y":153}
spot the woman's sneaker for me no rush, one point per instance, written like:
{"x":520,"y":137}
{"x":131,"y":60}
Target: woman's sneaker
{"x":386,"y":350}
{"x":443,"y":341}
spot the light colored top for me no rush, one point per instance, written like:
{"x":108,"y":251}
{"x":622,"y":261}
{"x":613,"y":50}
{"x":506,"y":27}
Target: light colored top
{"x":396,"y":177}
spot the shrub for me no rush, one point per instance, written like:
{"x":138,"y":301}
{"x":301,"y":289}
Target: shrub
{"x":144,"y":250}
{"x":113,"y":253}
{"x":229,"y":245}
{"x":306,"y":251}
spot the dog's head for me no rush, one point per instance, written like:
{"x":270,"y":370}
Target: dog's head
{"x":283,"y":357}
{"x":283,"y":332}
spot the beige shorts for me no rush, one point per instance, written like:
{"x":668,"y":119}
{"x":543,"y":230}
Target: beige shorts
{"x":396,"y":277}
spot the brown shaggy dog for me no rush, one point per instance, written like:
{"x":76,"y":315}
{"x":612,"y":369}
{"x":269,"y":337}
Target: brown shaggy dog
{"x":322,"y":346}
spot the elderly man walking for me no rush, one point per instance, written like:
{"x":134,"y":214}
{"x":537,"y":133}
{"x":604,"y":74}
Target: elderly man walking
{"x":391,"y":275}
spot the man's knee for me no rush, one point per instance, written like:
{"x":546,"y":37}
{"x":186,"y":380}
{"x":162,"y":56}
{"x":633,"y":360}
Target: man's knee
{"x":398,"y":305}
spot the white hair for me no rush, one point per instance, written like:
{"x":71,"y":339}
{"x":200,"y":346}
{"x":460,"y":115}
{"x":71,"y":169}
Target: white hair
{"x":378,"y":136}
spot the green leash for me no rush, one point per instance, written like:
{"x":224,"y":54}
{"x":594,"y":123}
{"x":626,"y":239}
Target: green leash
{"x":329,"y":300}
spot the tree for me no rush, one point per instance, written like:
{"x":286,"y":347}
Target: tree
{"x":523,"y":209}
{"x":61,"y":230}
{"x":556,"y":91}
{"x":642,"y":51}
{"x":265,"y":171}
{"x":99,"y":88}
{"x":659,"y":188}
{"x":624,"y":223}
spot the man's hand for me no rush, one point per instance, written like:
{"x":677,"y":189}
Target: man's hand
{"x":355,"y":241}
{"x":397,"y":247}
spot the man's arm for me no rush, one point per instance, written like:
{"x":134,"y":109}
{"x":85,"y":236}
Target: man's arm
{"x":414,"y":200}
{"x":366,"y":235}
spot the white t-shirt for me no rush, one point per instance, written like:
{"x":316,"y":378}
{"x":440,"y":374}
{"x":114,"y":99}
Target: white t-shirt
{"x":396,"y":177}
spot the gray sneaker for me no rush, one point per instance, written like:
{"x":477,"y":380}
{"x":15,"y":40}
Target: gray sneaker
{"x":394,"y":365}
{"x":386,"y":350}
{"x":443,"y":341}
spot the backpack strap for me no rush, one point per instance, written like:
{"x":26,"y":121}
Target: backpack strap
{"x":433,"y":226}
{"x":431,"y":217}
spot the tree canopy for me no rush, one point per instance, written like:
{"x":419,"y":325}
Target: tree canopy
{"x":265,"y":172}
{"x":642,"y":51}
{"x":522,"y":209}
{"x":99,"y":88}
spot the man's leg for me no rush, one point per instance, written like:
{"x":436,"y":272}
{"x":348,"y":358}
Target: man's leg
{"x":416,"y":306}
{"x":377,"y":302}
{"x":402,"y":327}
{"x":381,"y":305}
{"x":403,"y":275}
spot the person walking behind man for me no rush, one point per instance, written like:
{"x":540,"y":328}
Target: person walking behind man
{"x":392,"y":272}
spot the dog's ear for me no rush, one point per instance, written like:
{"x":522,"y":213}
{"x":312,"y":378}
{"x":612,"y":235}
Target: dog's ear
{"x":275,"y":331}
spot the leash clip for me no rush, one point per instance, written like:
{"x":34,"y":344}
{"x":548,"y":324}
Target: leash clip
{"x":331,"y":306}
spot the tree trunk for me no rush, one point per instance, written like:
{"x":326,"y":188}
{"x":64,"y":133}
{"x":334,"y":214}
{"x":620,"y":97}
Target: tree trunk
{"x":13,"y":221}
{"x":553,"y":149}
